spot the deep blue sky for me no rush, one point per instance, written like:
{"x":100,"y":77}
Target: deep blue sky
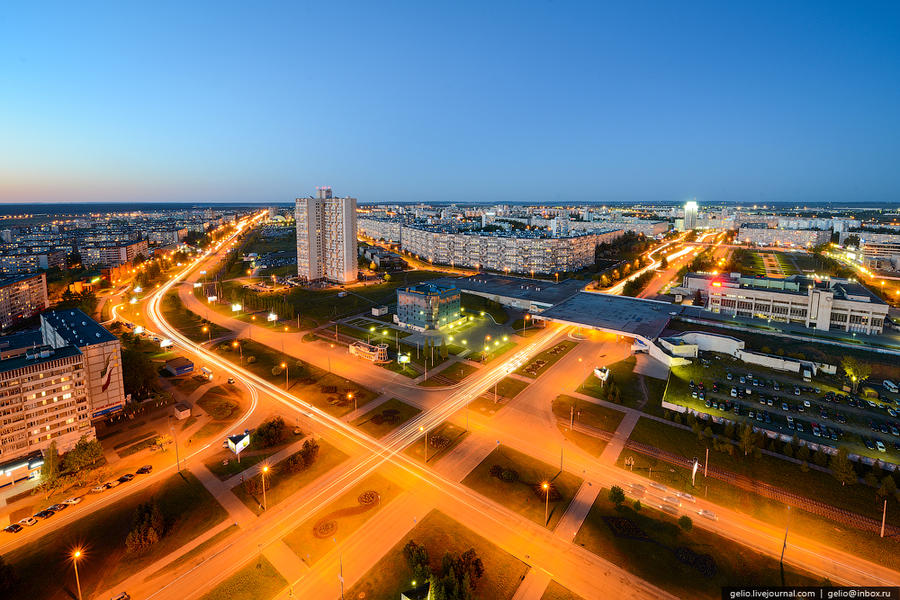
{"x":186,"y":101}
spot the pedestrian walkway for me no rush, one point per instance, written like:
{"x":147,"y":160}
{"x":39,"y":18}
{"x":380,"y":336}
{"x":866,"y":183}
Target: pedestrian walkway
{"x":369,"y":406}
{"x":285,"y":560}
{"x":533,"y":586}
{"x":279,"y":456}
{"x":237,"y":511}
{"x":611,"y":453}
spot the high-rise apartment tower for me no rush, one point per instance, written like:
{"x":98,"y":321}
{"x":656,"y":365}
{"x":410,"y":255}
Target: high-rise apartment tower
{"x":326,"y":237}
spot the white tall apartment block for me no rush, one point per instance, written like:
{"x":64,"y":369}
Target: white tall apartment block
{"x":326,"y":237}
{"x":690,"y":215}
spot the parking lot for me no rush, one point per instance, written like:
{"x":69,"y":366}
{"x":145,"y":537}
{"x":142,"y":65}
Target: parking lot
{"x":817,"y":410}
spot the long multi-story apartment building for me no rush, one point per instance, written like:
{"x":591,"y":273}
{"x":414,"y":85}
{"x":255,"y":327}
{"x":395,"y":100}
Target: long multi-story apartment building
{"x":326,"y":237}
{"x":762,"y":235}
{"x":827,"y":305}
{"x":22,"y":297}
{"x":515,"y":253}
{"x":25,"y":260}
{"x":380,"y":229}
{"x":113,"y":256}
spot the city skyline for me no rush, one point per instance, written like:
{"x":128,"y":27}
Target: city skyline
{"x":558,"y":104}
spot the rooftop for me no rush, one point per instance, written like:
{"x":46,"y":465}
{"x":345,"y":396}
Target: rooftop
{"x":27,"y":360}
{"x":77,"y":328}
{"x":522,"y":288}
{"x":619,"y":314}
{"x":5,"y":281}
{"x":798,"y":284}
{"x":430,"y":288}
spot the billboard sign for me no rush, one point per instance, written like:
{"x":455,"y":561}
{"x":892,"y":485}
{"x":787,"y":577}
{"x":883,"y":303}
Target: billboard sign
{"x":237,"y":443}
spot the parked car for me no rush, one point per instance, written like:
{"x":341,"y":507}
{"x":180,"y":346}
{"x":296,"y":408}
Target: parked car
{"x":13,"y":528}
{"x":126,"y":477}
{"x":231,"y":380}
{"x":44,"y":514}
{"x":144,"y":470}
{"x":98,"y":488}
{"x":58,"y":507}
{"x":72,"y":500}
{"x":111,"y":484}
{"x":880,"y":446}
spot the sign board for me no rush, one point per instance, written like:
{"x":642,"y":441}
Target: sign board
{"x":403,"y":358}
{"x":272,"y":317}
{"x":238,"y":442}
{"x":138,"y":289}
{"x":601,"y":373}
{"x":235,"y":307}
{"x":212,"y":298}
{"x":198,"y":284}
{"x":139,"y":329}
{"x":165,"y":343}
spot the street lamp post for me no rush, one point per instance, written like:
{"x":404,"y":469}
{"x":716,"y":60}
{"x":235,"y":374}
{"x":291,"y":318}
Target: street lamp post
{"x":75,"y":556}
{"x":240,"y":348}
{"x":286,"y":380}
{"x":351,"y":396}
{"x":546,"y":487}
{"x":329,"y":359}
{"x":421,"y":428}
{"x":340,"y":566}
{"x":262,"y":474}
{"x":175,"y":439}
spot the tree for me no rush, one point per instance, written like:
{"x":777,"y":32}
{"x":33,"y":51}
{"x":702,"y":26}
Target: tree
{"x":444,"y":351}
{"x":139,"y":376}
{"x":747,"y":440}
{"x":147,"y":529}
{"x":803,"y":453}
{"x":50,"y":468}
{"x":855,"y":369}
{"x":842,"y":468}
{"x":417,"y":559}
{"x":685,"y":523}
{"x":616,"y":495}
{"x":85,"y":453}
{"x":664,"y":263}
{"x":888,"y":486}
{"x":637,"y":506}
{"x":309,"y":452}
{"x":387,"y":276}
{"x":852,"y":240}
{"x":271,"y":432}
{"x":8,"y":579}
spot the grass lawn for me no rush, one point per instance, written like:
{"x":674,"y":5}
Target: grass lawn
{"x":307,"y":381}
{"x":249,"y":457}
{"x":590,"y":414}
{"x":496,"y":351}
{"x":440,"y":534}
{"x":219,"y":404}
{"x":437,"y":446}
{"x":453,"y":374}
{"x":209,"y":430}
{"x":188,"y":323}
{"x":645,"y":542}
{"x":257,"y":581}
{"x":198,"y":550}
{"x":557,"y":592}
{"x":630,"y":392}
{"x":813,"y":484}
{"x":524,"y":495}
{"x":475,"y":305}
{"x":347,"y":513}
{"x":135,"y":448}
{"x":546,"y":359}
{"x":189,"y":510}
{"x":281,"y":484}
{"x":386,"y":417}
{"x":507,"y":389}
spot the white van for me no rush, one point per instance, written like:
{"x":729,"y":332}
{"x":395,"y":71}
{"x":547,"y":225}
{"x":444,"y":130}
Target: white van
{"x":890,"y":386}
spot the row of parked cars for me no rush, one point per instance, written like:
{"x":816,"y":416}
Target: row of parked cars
{"x":52,"y":510}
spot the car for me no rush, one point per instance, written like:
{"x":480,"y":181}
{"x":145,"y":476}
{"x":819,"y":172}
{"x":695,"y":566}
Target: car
{"x":796,"y":391}
{"x":694,"y":394}
{"x":13,"y":528}
{"x":706,"y":404}
{"x":729,"y":376}
{"x":750,"y":414}
{"x":98,"y":488}
{"x":733,"y":393}
{"x":880,"y":446}
{"x":799,"y":427}
{"x":231,"y":380}
{"x":715,"y":387}
{"x":58,"y":507}
{"x":44,"y":514}
{"x":776,"y":386}
{"x":126,"y":477}
{"x":895,"y":431}
{"x":868,"y":443}
{"x":144,"y":470}
{"x":768,"y":402}
{"x":806,"y":404}
{"x":692,"y":384}
{"x":743,"y":379}
{"x":892,"y":412}
{"x":122,"y":596}
{"x":702,"y":395}
{"x":111,"y":484}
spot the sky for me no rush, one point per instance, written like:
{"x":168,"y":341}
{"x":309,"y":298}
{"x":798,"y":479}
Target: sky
{"x":547,"y":101}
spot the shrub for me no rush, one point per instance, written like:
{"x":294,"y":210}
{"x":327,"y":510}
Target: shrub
{"x":685,"y":523}
{"x":616,"y":495}
{"x":509,"y":475}
{"x":147,"y":529}
{"x":251,"y":360}
{"x":271,"y":432}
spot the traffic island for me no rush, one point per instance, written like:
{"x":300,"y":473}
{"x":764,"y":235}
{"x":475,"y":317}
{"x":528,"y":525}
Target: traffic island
{"x":555,"y":591}
{"x":258,"y":580}
{"x":497,"y":397}
{"x":677,"y":556}
{"x":451,"y":375}
{"x":546,"y":359}
{"x":386,"y":417}
{"x":441,"y":440}
{"x":530,"y":487}
{"x":316,"y":536}
{"x":437,"y":534}
{"x":286,"y":477}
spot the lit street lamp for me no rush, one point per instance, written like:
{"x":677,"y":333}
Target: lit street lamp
{"x":546,"y":487}
{"x":262,"y":475}
{"x":76,"y":554}
{"x":350,"y":396}
{"x":235,"y":344}
{"x":285,"y":367}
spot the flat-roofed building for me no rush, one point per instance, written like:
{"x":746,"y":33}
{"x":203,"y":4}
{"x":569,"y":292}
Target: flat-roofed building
{"x":43,"y":399}
{"x":113,"y":255}
{"x":428,"y":306}
{"x":824,"y":304}
{"x":22,"y":297}
{"x":761,"y":235}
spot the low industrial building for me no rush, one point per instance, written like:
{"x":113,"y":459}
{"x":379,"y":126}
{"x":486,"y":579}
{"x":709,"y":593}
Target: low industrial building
{"x":534,"y":295}
{"x":179,"y":366}
{"x":823,"y":304}
{"x":428,"y":306}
